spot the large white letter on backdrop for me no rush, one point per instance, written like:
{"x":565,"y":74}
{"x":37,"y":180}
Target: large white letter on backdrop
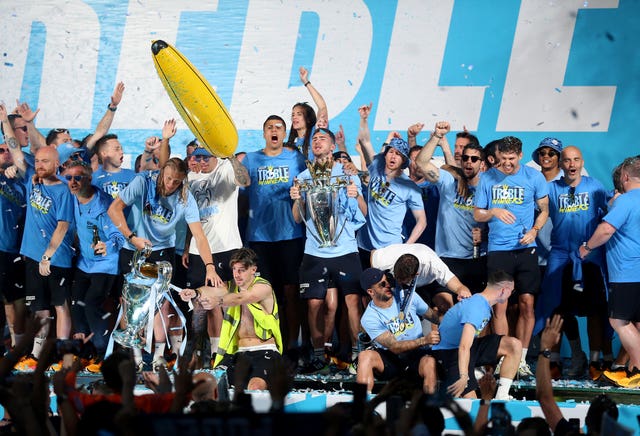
{"x":410,"y":90}
{"x":268,"y":48}
{"x":534,"y":96}
{"x":147,"y":21}
{"x":70,"y":59}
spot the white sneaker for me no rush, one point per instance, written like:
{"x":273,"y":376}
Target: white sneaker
{"x":505,"y":398}
{"x":524,"y":371}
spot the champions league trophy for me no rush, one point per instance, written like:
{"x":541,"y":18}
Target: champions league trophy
{"x":143,"y":289}
{"x":321,"y":205}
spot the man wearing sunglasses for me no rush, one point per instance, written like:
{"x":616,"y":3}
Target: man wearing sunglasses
{"x":215,"y":188}
{"x":392,"y":321}
{"x":97,"y":264}
{"x":46,"y":243}
{"x":506,"y":199}
{"x":458,"y":236}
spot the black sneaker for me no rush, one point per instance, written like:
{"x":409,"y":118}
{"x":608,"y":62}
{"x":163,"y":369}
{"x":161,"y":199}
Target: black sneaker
{"x":316,"y":366}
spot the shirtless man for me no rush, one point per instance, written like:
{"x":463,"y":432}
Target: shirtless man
{"x":250,"y":326}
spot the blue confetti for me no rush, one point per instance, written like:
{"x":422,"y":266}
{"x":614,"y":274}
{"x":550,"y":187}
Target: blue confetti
{"x":558,"y":89}
{"x":596,"y":124}
{"x":8,"y":64}
{"x":350,"y":82}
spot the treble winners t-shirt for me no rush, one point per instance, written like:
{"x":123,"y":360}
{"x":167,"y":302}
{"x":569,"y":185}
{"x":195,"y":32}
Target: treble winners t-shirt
{"x":270,"y":216}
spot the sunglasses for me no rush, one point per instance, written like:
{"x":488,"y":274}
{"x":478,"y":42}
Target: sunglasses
{"x":550,"y":153}
{"x":23,"y":128}
{"x":61,"y":131}
{"x":383,"y":284}
{"x":201,"y":158}
{"x":572,"y":193}
{"x":74,"y":178}
{"x":466,"y":157}
{"x":76,"y":156}
{"x":4,"y":150}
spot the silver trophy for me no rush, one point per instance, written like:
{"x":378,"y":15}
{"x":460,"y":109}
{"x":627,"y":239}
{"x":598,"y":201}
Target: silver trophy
{"x":321,"y":205}
{"x":142,"y":292}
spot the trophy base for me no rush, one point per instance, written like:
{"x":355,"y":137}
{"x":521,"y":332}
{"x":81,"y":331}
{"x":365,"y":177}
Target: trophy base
{"x":127,"y":339}
{"x":327,"y":244}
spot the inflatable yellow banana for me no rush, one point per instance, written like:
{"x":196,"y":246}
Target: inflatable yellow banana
{"x":195,"y":100}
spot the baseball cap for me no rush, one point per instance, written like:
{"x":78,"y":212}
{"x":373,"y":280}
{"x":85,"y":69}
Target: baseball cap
{"x":370,"y":277}
{"x":553,"y":143}
{"x":201,"y":151}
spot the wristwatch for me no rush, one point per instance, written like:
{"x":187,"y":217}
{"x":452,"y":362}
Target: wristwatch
{"x":131,"y":236}
{"x":545,"y":353}
{"x":112,"y":109}
{"x":45,"y":258}
{"x":586,"y":246}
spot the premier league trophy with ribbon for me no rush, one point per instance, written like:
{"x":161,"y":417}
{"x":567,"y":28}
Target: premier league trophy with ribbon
{"x":321,"y":205}
{"x":144,"y":288}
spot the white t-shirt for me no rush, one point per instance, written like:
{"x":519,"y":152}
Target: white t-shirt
{"x":431,"y":267}
{"x":217,"y":196}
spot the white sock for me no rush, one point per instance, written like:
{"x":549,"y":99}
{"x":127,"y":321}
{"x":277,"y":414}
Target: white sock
{"x":524,"y":355}
{"x":214,"y":345}
{"x":176,"y":343}
{"x":38,"y":342}
{"x":137,"y":356}
{"x":158,"y":350}
{"x":504,"y":384}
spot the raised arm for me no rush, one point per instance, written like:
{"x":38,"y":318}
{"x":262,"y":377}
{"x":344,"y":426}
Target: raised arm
{"x":423,"y":160}
{"x":240,"y":172}
{"x":412,"y":133}
{"x":364,"y":135}
{"x":322,"y":113}
{"x":105,"y":123}
{"x":544,"y":391}
{"x":10,"y":138}
{"x":35,"y":137}
{"x":168,"y":131}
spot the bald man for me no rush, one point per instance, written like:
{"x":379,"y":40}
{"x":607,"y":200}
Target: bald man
{"x":46,"y":244}
{"x":572,"y":286}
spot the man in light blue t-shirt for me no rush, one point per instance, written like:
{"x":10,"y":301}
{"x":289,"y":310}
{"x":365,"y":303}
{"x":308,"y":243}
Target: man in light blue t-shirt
{"x":506,"y":199}
{"x":271,"y":230}
{"x":327,"y":270}
{"x":620,"y":231}
{"x":461,"y":349}
{"x":458,"y":235}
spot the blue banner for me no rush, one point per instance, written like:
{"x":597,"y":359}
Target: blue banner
{"x":531,"y":69}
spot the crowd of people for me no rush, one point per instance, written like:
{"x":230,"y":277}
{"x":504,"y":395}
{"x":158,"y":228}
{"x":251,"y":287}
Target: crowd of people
{"x":418,"y":268}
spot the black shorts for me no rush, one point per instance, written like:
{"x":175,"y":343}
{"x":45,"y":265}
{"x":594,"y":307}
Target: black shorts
{"x":522,"y":264}
{"x":484,"y":351}
{"x":624,"y":301}
{"x":405,"y":364}
{"x":179,"y":275}
{"x":43,"y":292}
{"x":317,"y":274}
{"x":471,"y":272}
{"x":126,"y":257}
{"x":261,"y":364}
{"x":427,"y":292}
{"x":197,"y":271}
{"x":11,"y":277}
{"x":279,"y":262}
{"x":591,"y":300}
